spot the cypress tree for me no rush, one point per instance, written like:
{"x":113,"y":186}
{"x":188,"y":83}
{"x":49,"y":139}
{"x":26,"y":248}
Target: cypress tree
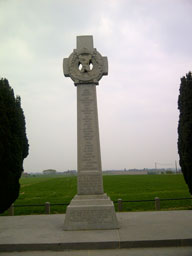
{"x":185,"y":129}
{"x":13,"y":144}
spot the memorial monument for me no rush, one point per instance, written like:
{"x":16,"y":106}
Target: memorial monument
{"x":91,"y":208}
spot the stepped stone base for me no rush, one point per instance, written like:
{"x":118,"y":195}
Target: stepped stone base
{"x":87,"y":212}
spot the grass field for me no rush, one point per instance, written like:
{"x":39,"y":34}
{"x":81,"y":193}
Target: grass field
{"x":61,"y":189}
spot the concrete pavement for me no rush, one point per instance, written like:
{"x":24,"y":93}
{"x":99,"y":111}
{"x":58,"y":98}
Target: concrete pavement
{"x":137,"y":230}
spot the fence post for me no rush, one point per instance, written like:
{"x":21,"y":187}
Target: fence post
{"x":47,"y":208}
{"x":11,"y":210}
{"x":119,"y":205}
{"x":157,"y":203}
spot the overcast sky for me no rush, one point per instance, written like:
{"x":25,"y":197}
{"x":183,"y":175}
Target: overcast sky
{"x":149,"y":48}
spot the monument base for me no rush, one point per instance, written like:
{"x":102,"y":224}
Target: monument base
{"x":87,"y":212}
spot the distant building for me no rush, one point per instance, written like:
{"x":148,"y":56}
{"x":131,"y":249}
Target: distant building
{"x":126,"y":172}
{"x":49,"y":172}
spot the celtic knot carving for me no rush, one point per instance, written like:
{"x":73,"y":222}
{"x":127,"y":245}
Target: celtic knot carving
{"x":85,"y":66}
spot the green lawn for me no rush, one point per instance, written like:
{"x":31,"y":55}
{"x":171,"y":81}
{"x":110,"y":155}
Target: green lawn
{"x":61,"y":189}
{"x":143,"y":187}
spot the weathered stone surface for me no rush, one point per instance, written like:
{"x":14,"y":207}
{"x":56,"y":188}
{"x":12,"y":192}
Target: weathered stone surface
{"x":89,"y":158}
{"x":90,"y":183}
{"x":85,"y":64}
{"x":91,"y":208}
{"x":90,"y":212}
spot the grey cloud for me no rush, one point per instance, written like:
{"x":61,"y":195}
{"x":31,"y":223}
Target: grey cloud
{"x":148,"y":46}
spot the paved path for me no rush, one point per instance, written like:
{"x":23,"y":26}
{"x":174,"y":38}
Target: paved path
{"x":137,"y":230}
{"x":169,"y":251}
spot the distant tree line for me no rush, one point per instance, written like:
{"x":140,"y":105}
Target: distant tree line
{"x":13,"y":144}
{"x":49,"y":172}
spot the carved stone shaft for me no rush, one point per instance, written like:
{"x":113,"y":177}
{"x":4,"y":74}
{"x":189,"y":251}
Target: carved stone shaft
{"x":90,"y":180}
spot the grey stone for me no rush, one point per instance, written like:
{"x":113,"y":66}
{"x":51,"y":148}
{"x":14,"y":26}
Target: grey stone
{"x":85,"y":42}
{"x":85,"y":66}
{"x":93,"y":212}
{"x":89,"y":157}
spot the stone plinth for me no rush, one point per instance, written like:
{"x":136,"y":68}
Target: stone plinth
{"x":90,"y":212}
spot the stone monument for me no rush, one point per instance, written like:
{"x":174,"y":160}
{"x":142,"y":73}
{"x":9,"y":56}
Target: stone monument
{"x":91,"y":208}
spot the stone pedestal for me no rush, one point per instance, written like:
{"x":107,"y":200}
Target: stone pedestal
{"x":90,"y":208}
{"x":87,"y":212}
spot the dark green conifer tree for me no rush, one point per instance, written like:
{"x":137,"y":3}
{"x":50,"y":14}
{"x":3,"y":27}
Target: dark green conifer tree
{"x":185,"y":129}
{"x":13,"y":145}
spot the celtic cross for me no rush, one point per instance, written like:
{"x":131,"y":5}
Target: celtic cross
{"x":85,"y":65}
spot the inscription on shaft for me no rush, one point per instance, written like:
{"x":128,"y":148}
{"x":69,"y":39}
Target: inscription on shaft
{"x":89,"y":158}
{"x":88,"y":144}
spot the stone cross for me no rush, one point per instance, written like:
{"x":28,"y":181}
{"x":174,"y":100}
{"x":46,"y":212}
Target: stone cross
{"x":86,"y":66}
{"x":91,"y":208}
